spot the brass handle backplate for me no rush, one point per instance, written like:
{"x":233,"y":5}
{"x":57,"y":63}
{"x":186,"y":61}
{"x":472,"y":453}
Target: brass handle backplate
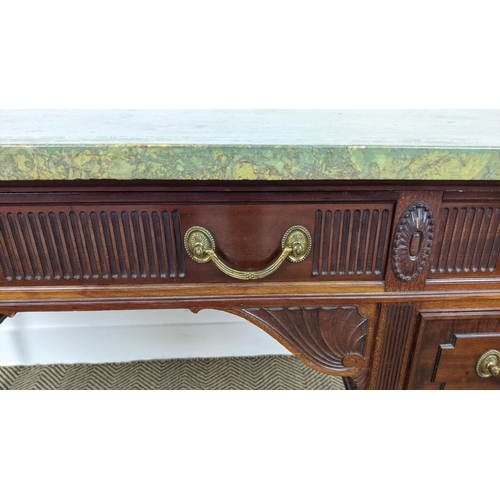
{"x":200,"y":246}
{"x":489,"y":364}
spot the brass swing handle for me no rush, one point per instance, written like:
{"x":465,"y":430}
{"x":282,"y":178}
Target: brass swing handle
{"x":489,"y":364}
{"x":200,"y":246}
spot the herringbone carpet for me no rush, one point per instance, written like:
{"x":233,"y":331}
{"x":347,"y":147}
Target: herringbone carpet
{"x":260,"y":372}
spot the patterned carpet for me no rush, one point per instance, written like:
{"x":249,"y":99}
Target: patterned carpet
{"x":253,"y":373}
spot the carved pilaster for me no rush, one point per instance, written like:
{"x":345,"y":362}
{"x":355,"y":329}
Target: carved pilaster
{"x":413,"y":240}
{"x":393,"y":341}
{"x":329,"y":339}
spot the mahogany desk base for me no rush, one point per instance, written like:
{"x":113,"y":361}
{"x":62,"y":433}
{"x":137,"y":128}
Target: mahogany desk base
{"x":398,"y":287}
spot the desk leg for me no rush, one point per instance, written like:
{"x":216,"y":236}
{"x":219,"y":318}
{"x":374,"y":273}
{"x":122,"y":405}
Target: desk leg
{"x":349,"y":384}
{"x":2,"y":318}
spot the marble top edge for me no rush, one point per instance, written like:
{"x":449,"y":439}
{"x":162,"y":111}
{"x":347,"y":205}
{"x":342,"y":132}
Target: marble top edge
{"x":250,"y":145}
{"x":260,"y":128}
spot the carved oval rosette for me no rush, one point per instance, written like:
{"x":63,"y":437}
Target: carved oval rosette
{"x":413,"y":241}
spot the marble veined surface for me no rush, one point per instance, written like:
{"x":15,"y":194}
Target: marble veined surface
{"x":250,"y":144}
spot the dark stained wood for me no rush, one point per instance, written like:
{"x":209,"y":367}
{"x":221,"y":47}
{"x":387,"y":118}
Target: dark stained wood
{"x":455,"y":365}
{"x":120,"y":245}
{"x":397,"y":327}
{"x":469,"y":243}
{"x":97,"y":297}
{"x":408,"y":207}
{"x":449,"y":346}
{"x":63,"y":245}
{"x":349,"y":384}
{"x":317,"y":237}
{"x":94,"y":236}
{"x":332,"y":339}
{"x":352,"y":242}
{"x":342,"y":189}
{"x":413,"y":240}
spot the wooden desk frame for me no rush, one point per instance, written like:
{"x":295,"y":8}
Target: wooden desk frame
{"x":380,"y":324}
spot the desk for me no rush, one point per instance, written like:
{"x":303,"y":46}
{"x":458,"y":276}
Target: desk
{"x":366,"y":242}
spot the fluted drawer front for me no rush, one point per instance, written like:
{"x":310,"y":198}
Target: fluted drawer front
{"x":103,"y":244}
{"x":468,"y":243}
{"x":55,"y":245}
{"x":351,"y":241}
{"x":123,"y":233}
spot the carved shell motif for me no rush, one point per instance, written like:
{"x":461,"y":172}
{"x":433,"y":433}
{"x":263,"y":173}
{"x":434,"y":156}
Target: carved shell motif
{"x":413,"y":241}
{"x":332,"y":338}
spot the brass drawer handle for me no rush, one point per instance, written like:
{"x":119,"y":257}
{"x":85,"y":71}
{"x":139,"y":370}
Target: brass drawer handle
{"x":200,"y":245}
{"x":489,"y":364}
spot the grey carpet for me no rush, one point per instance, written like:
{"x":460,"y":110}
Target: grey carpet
{"x":254,"y":373}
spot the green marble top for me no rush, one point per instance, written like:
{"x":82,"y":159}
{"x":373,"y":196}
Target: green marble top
{"x":250,"y":145}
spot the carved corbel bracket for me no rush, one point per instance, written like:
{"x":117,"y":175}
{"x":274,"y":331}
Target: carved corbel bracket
{"x":328,"y":339}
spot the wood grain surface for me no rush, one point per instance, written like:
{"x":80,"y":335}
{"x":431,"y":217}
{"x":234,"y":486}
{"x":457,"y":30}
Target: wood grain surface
{"x":401,"y":288}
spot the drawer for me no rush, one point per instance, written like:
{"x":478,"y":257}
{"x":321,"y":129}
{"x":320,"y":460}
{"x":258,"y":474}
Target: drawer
{"x":450,"y":347}
{"x":468,"y":242}
{"x":117,"y":237}
{"x":348,"y":241}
